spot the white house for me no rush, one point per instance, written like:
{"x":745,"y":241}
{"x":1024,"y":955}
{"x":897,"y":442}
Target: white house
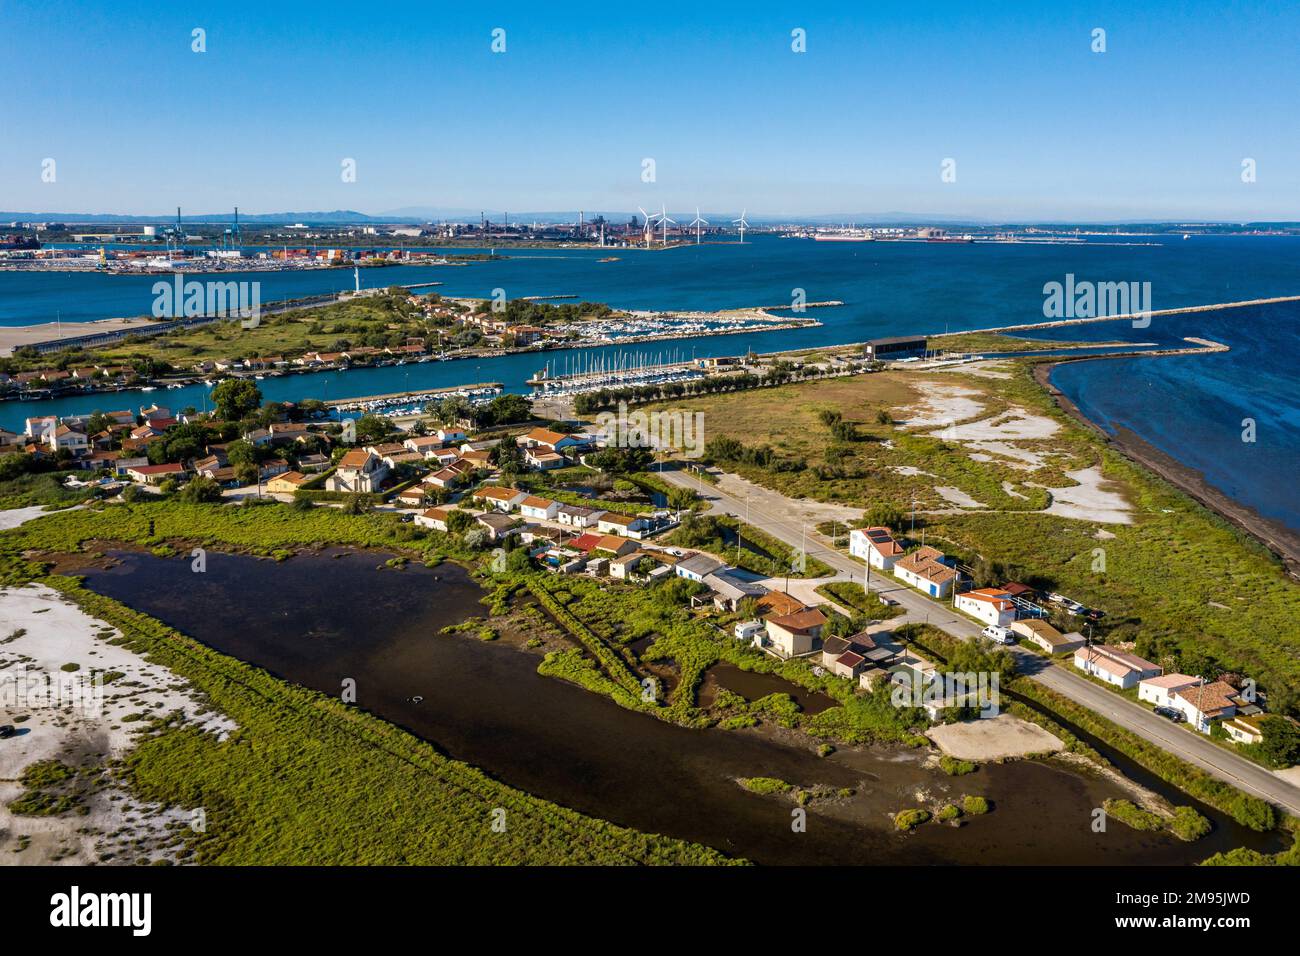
{"x":550,"y":440}
{"x":924,"y":570}
{"x":435,"y":518}
{"x":748,"y":631}
{"x":1160,"y":690}
{"x":502,"y":499}
{"x":358,"y":471}
{"x":792,"y":635}
{"x":1114,"y":666}
{"x":1042,"y":634}
{"x":576,"y":516}
{"x":449,"y":436}
{"x":698,"y":566}
{"x":612,"y":522}
{"x":876,"y":546}
{"x":990,"y":605}
{"x":543,"y":509}
{"x":1205,"y":703}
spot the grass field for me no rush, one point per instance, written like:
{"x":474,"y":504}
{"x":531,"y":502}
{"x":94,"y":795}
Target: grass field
{"x":1159,"y":579}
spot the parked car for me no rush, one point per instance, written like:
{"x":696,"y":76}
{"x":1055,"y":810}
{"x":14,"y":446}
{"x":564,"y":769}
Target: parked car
{"x":6,"y":730}
{"x":999,"y":634}
{"x":1172,"y":713}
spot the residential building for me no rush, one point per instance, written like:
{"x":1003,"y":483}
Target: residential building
{"x":748,"y":631}
{"x":1245,"y":729}
{"x":990,"y":605}
{"x":359,"y":471}
{"x":611,"y":522}
{"x":576,"y":516}
{"x":1043,"y":635}
{"x":287,"y":483}
{"x":550,"y":440}
{"x":698,"y":566}
{"x":876,"y":546}
{"x":543,"y":460}
{"x":1160,"y":690}
{"x":155,"y":474}
{"x":541,"y":509}
{"x":793,"y":635}
{"x":498,"y":526}
{"x":729,"y":590}
{"x":502,"y":499}
{"x":925,"y":570}
{"x":1205,"y":703}
{"x":435,"y":518}
{"x":1114,"y":666}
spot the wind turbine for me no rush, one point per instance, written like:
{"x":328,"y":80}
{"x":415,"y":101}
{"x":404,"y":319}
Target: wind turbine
{"x":649,"y":225}
{"x":741,"y":222}
{"x":664,"y":221}
{"x":697,"y":223}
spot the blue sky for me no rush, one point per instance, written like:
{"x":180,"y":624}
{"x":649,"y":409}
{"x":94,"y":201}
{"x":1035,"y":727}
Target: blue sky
{"x":1039,"y":125}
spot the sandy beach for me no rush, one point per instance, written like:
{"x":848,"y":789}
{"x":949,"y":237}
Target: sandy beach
{"x":16,"y":336}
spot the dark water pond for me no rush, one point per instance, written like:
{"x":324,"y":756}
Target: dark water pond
{"x":318,"y":619}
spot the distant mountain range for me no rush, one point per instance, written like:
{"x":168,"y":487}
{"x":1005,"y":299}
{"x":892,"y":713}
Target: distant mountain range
{"x":414,"y":215}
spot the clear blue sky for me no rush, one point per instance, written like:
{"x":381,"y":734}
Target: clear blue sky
{"x":1039,"y":125}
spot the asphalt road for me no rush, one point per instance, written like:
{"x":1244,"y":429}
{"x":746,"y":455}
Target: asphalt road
{"x":772,"y":512}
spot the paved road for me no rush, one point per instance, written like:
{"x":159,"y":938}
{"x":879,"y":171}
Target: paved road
{"x":779,"y":516}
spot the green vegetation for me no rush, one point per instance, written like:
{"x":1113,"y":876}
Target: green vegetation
{"x":759,"y":552}
{"x":853,"y":596}
{"x":954,"y":767}
{"x":911,"y":819}
{"x":948,"y":812}
{"x":974,"y":806}
{"x":1188,"y":825}
{"x":281,"y":789}
{"x":765,"y":785}
{"x":1133,"y":816}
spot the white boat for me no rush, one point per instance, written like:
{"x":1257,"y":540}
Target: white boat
{"x":148,"y":388}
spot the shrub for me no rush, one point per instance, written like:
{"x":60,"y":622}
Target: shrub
{"x":948,"y":813}
{"x":911,"y":819}
{"x":765,"y":785}
{"x":1188,"y":825}
{"x":975,"y":805}
{"x":1131,"y":815}
{"x":954,"y":767}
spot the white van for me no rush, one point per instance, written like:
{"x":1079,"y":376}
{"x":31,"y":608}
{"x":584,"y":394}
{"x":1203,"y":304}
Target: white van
{"x":999,"y":634}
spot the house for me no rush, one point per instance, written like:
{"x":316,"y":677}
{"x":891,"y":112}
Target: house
{"x":447,"y":477}
{"x":698,"y":566}
{"x":833,"y":647}
{"x":611,"y":522}
{"x":497,"y":525}
{"x":1114,"y":666}
{"x":287,"y":483}
{"x":410,"y":497}
{"x":543,"y":460}
{"x":1205,"y":703}
{"x":750,"y":632}
{"x":924,"y":570}
{"x":69,"y":439}
{"x":1043,"y":635}
{"x":876,"y":546}
{"x":155,"y":474}
{"x":990,"y":605}
{"x":576,"y":516}
{"x":449,"y":436}
{"x":359,"y":471}
{"x":1020,"y":592}
{"x":542,"y":509}
{"x":609,"y":543}
{"x":502,"y":499}
{"x":272,"y":467}
{"x":621,"y":567}
{"x":793,"y":635}
{"x":1160,"y":690}
{"x":729,"y":590}
{"x":123,"y":465}
{"x":1245,"y":730}
{"x":435,"y":518}
{"x":313,"y":463}
{"x":778,"y":602}
{"x":551,"y":441}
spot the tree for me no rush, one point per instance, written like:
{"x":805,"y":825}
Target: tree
{"x":372,"y":428}
{"x":681,"y":499}
{"x":200,"y":490}
{"x":459,"y":520}
{"x":236,"y":398}
{"x":1281,"y":743}
{"x":885,"y":515}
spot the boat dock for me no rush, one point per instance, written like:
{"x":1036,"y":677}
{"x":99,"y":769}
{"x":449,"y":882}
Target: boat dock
{"x":408,"y":398}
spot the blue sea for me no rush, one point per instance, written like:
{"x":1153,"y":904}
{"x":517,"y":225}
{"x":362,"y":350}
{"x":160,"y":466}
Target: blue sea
{"x":1192,"y":408}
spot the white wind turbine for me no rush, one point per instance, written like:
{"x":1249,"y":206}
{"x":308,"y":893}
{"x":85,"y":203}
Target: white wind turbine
{"x":742,"y":224}
{"x":697,"y":223}
{"x":649,"y":225}
{"x":664,"y":221}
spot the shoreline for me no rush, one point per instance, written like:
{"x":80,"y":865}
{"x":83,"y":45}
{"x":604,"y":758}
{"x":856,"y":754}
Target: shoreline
{"x":1273,"y":535}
